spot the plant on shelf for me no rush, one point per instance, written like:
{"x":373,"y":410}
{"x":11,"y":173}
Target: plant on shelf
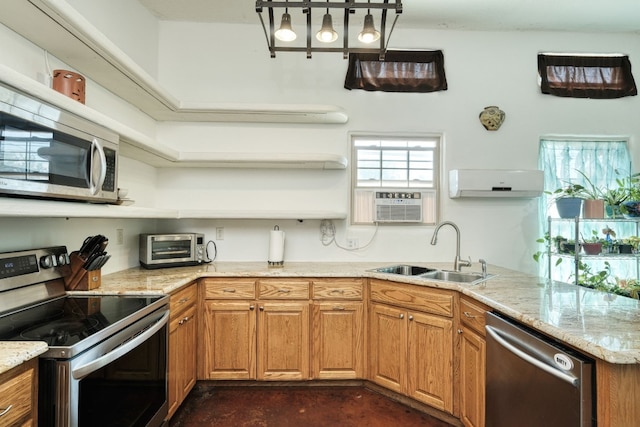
{"x":594,"y":244}
{"x":627,"y":287}
{"x":546,"y":240}
{"x":594,"y":279}
{"x":568,"y":200}
{"x":630,"y":186}
{"x":593,"y":204}
{"x":613,"y":198}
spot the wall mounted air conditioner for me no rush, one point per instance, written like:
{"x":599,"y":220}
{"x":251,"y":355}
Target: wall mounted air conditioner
{"x":398,"y":206}
{"x":495,"y":183}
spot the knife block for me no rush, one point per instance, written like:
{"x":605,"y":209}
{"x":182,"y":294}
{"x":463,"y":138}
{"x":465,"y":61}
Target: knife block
{"x":80,"y":279}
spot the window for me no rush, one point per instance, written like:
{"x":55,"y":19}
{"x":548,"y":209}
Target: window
{"x":400,"y":71}
{"x":603,"y":160}
{"x":581,"y":76}
{"x":406,"y":167}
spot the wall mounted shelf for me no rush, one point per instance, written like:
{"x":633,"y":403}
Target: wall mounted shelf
{"x":58,"y":28}
{"x":138,"y":146}
{"x":32,"y":208}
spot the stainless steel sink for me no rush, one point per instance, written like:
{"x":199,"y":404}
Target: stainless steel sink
{"x":434,"y":274}
{"x":456,"y":276}
{"x":405,"y":270}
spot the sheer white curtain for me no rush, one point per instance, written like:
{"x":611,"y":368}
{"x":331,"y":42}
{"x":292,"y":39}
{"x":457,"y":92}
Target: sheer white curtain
{"x":601,"y":159}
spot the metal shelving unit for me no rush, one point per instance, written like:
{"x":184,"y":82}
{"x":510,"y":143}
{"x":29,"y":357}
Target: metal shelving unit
{"x":577,"y":227}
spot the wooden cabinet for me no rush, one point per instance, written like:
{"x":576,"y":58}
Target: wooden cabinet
{"x":19,"y":395}
{"x":182,"y":345}
{"x":338,"y":328}
{"x":472,"y":362}
{"x":411,"y":341}
{"x":255,"y":329}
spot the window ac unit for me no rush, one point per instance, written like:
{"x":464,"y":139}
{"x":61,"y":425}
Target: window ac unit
{"x":398,"y":207}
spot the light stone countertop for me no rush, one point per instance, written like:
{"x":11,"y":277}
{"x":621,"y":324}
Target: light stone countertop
{"x":602,"y":325}
{"x":14,"y":353}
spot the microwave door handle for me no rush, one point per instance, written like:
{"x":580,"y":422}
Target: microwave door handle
{"x":96,"y":147}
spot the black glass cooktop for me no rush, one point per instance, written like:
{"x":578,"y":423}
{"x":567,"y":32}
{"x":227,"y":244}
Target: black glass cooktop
{"x":66,"y":321}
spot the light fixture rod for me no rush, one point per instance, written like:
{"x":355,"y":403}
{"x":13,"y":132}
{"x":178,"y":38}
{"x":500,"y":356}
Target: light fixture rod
{"x":397,"y":5}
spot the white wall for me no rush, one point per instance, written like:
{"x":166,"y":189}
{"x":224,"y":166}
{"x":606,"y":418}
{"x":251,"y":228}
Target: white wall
{"x":230,"y":63}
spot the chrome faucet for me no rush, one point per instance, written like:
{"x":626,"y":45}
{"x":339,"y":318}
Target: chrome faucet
{"x":458,"y":263}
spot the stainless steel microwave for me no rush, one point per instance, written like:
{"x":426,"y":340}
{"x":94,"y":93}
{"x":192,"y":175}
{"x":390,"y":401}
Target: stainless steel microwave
{"x":46,"y":152}
{"x":171,"y":250}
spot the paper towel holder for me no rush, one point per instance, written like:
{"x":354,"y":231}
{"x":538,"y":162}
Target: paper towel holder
{"x":276,"y":253}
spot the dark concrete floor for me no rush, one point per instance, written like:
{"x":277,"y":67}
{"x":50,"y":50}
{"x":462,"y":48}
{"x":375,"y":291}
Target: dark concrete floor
{"x":265,"y":406}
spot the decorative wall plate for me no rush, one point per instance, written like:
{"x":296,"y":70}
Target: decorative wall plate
{"x":492,"y":117}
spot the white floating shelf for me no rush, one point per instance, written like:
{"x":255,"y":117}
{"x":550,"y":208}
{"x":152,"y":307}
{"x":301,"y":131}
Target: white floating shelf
{"x":58,"y":28}
{"x":32,"y":208}
{"x":251,"y":214}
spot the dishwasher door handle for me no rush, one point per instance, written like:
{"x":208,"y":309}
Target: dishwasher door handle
{"x":532,"y":360}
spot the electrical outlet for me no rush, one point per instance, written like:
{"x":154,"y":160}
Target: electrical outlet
{"x":352,"y":243}
{"x":219,"y":233}
{"x":119,"y":236}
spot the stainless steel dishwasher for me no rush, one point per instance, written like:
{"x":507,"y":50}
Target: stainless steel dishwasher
{"x":534,"y":381}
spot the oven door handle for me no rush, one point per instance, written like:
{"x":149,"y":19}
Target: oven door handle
{"x":84,"y":370}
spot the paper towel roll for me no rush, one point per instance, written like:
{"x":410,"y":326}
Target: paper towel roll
{"x":276,"y":248}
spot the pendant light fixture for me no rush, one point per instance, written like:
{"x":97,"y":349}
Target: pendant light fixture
{"x":285,"y":33}
{"x":327,"y":34}
{"x":279,"y":39}
{"x":369,"y":34}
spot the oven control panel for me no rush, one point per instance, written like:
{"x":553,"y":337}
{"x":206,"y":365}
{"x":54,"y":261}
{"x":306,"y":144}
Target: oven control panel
{"x":32,"y":266}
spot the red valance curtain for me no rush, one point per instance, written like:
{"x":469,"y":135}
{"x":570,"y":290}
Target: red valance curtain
{"x":400,"y":71}
{"x":577,"y":76}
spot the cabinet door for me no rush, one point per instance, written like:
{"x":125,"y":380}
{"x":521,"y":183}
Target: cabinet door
{"x":388,"y":347}
{"x":338,"y":340}
{"x":283,"y":340}
{"x":229,"y":340}
{"x":472,"y":378}
{"x":430,"y":370}
{"x":18,"y":395}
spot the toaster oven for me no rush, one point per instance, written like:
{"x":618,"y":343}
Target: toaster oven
{"x":171,"y":250}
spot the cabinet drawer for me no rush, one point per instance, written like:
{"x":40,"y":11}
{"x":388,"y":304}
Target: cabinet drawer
{"x":183,"y":299}
{"x":230,"y":289}
{"x":16,"y":392}
{"x":283,"y":289}
{"x":419,"y":298}
{"x":350,"y":289}
{"x":472,"y":314}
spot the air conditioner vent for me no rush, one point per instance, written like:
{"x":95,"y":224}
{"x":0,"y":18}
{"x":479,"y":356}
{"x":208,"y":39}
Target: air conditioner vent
{"x":398,"y":207}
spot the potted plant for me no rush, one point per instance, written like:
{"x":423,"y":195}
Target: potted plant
{"x":630,"y":186}
{"x":613,"y":198}
{"x":593,"y":245}
{"x":595,"y":280}
{"x":569,"y":200}
{"x":593,"y":203}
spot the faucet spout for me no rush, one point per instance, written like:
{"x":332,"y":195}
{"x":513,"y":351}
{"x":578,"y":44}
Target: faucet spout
{"x":458,"y":263}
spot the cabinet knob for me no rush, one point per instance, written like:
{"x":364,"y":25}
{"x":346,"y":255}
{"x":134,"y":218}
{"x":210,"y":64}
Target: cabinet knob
{"x":261,"y":308}
{"x":229,"y":290}
{"x":410,"y":317}
{"x":402,"y":315}
{"x":251,"y":307}
{"x":284,"y":291}
{"x":338,"y":307}
{"x":460,"y":331}
{"x":469,"y":315}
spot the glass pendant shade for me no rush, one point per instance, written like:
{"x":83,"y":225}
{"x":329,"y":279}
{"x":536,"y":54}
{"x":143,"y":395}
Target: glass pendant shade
{"x":369,"y":34}
{"x":327,"y":34}
{"x":285,"y":33}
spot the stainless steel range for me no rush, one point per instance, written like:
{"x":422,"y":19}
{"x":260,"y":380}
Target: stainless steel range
{"x":107,"y":359}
